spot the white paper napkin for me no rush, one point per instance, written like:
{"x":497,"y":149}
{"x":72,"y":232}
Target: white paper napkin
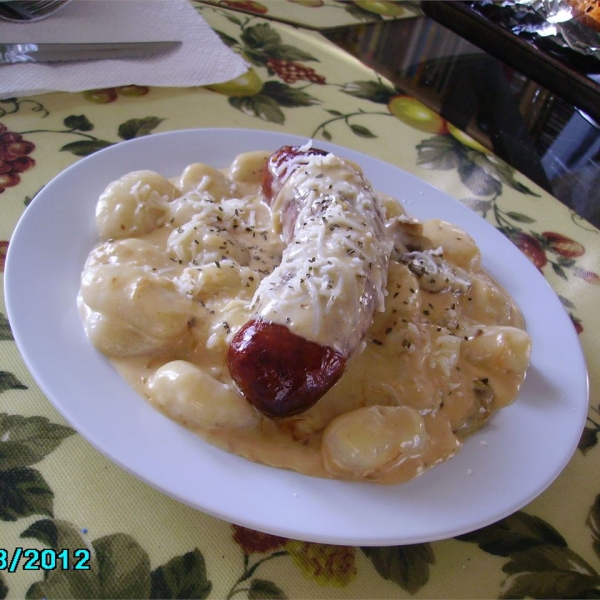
{"x":202,"y":59}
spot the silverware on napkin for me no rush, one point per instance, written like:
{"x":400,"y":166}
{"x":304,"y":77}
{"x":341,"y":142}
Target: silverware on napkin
{"x":39,"y":53}
{"x":21,"y":11}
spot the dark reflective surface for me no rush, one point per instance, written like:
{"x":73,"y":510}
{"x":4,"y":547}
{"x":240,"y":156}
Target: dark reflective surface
{"x":536,"y":130}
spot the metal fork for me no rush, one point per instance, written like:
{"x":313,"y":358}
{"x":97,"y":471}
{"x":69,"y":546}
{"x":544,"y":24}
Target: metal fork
{"x":29,"y":10}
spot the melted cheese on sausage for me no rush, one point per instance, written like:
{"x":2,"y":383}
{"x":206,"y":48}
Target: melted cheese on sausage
{"x":333,"y":272}
{"x":182,"y":265}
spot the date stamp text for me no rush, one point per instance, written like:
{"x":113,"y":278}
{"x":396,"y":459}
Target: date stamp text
{"x":31,"y":559}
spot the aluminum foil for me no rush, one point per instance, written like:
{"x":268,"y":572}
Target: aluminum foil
{"x":551,"y":25}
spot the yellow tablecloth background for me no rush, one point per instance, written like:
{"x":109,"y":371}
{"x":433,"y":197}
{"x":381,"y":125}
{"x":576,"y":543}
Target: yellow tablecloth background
{"x":92,"y":498}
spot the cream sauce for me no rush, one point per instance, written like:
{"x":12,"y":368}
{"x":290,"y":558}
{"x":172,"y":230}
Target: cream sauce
{"x":176,"y":276}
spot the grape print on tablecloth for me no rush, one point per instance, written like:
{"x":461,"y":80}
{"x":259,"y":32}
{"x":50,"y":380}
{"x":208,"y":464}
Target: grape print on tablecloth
{"x":15,"y":157}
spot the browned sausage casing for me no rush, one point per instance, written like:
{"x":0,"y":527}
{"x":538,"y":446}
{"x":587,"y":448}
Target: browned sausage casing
{"x":279,"y":372}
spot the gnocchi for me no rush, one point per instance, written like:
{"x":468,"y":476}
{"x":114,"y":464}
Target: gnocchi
{"x":177,"y":272}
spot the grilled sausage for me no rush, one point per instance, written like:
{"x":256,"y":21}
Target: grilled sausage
{"x":312,"y":313}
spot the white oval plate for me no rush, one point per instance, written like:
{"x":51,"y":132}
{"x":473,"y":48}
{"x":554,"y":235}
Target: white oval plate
{"x":499,"y":470}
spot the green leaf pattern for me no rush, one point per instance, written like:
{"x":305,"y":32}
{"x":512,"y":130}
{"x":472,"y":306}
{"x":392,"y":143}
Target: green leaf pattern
{"x":24,"y":492}
{"x":548,"y":572}
{"x":287,"y":96}
{"x":408,"y":566}
{"x":261,"y":589}
{"x":261,"y":106}
{"x":263,"y":42}
{"x":516,"y":533}
{"x":5,"y":332}
{"x":540,"y":563}
{"x":593,"y":522}
{"x":182,"y":577}
{"x":85,"y":147}
{"x":26,"y":441}
{"x":135,"y":128}
{"x":8,"y":381}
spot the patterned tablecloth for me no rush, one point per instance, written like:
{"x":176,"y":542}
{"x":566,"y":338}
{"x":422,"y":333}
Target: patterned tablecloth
{"x":57,"y":492}
{"x":323,"y":14}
